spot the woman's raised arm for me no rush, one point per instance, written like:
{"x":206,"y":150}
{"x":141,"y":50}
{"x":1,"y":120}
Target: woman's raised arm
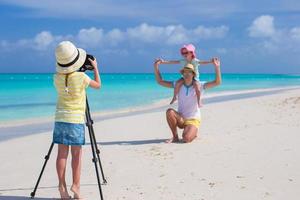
{"x":218,"y":78}
{"x":158,"y":77}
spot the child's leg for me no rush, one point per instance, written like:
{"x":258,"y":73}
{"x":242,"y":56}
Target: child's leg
{"x":76,"y":169}
{"x":197,"y":86}
{"x":176,"y":90}
{"x":61,"y":162}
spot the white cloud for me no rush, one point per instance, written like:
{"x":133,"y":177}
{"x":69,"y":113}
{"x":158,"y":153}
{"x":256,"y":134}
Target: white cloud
{"x":115,"y":36}
{"x":172,"y":34}
{"x":43,"y":40}
{"x":179,"y":36}
{"x":90,"y":37}
{"x":272,"y":40}
{"x":262,"y":26}
{"x":295,"y":33}
{"x":143,"y":34}
{"x":146,"y":33}
{"x":175,"y":34}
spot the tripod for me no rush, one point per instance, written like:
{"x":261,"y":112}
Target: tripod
{"x":95,"y":150}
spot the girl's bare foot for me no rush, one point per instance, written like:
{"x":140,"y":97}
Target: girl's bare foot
{"x":173,"y":100}
{"x":200,"y":104}
{"x":172,"y":140}
{"x":76,"y":191}
{"x":63,"y":192}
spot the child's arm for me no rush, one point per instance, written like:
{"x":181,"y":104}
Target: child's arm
{"x":203,"y":62}
{"x":96,"y":83}
{"x":169,"y":62}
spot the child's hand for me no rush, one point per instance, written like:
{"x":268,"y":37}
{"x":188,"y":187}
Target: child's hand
{"x":94,"y":63}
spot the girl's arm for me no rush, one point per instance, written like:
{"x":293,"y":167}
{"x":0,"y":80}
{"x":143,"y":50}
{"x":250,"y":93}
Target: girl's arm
{"x":218,"y":79}
{"x":168,"y":62}
{"x":205,"y":62}
{"x":96,"y":83}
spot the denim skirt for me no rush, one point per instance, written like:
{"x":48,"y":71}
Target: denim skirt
{"x":69,"y":133}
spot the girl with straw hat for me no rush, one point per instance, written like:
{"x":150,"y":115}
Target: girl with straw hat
{"x":69,"y":126}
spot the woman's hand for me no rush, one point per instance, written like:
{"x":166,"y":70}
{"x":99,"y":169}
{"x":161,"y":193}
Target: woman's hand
{"x":218,"y":78}
{"x":216,"y":62}
{"x":158,"y":77}
{"x":158,"y":61}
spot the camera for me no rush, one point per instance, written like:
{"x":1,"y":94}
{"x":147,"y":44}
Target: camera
{"x":87,"y":65}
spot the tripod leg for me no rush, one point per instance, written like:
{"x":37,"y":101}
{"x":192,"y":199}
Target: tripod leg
{"x":32,"y":194}
{"x":98,"y":155}
{"x":95,"y":161}
{"x":94,"y":147}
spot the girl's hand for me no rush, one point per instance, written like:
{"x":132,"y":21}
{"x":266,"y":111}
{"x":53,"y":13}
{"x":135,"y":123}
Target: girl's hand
{"x":94,"y":63}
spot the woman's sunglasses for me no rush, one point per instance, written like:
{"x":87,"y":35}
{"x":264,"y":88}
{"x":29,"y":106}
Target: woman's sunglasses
{"x":187,"y":72}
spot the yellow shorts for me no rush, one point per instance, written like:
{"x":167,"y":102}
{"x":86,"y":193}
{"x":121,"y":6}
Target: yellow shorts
{"x":195,"y":122}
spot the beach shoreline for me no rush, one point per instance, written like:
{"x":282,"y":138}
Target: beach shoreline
{"x":14,"y":128}
{"x":148,"y":107}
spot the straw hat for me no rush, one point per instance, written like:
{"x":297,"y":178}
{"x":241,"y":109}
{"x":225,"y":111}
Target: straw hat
{"x":68,"y":57}
{"x":189,"y":67}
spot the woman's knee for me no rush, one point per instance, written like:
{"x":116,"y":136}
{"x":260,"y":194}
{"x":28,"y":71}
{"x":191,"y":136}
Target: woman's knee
{"x":170,"y":112}
{"x":189,"y":134}
{"x":187,"y":139}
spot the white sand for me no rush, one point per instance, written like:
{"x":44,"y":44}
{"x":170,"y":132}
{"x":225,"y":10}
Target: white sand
{"x":246,"y":149}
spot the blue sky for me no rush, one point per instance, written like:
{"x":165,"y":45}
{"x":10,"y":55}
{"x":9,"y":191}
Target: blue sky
{"x":126,"y":36}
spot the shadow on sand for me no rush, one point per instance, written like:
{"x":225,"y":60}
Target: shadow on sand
{"x":132,"y":142}
{"x":28,"y":190}
{"x":22,"y":198}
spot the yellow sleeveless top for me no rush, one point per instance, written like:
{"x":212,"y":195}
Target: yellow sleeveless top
{"x":71,"y":102}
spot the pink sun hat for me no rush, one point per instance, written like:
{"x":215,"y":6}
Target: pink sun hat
{"x":190,"y":48}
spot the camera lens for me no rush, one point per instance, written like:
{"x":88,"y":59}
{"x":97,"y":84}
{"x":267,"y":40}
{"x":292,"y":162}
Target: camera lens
{"x":87,"y":63}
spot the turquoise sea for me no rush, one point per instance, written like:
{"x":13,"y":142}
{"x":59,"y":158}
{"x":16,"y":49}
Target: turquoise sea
{"x":24,"y":96}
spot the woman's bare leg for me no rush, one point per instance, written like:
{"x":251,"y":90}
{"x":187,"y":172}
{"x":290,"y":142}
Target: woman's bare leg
{"x":189,"y":133}
{"x":174,"y":121}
